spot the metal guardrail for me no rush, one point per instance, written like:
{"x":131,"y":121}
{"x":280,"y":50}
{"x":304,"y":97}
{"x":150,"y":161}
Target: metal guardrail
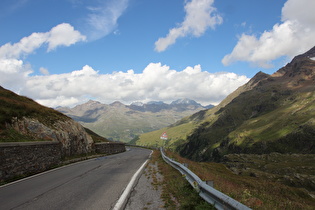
{"x":208,"y":193}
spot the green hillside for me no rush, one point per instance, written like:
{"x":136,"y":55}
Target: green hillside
{"x":176,"y":134}
{"x":294,"y":119}
{"x":96,"y":138}
{"x":276,"y":115}
{"x":271,"y":113}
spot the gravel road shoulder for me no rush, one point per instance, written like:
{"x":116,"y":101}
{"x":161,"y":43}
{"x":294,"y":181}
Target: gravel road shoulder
{"x":147,"y":193}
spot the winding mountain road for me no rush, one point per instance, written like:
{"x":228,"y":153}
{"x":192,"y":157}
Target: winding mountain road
{"x":91,"y":184}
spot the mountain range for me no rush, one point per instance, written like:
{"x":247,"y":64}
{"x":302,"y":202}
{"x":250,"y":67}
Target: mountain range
{"x":120,"y":122}
{"x":270,"y":113}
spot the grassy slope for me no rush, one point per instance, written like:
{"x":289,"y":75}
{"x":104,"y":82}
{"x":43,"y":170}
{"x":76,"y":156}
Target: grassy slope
{"x":257,"y":126}
{"x":179,"y":131}
{"x":279,"y":122}
{"x":269,"y":113}
{"x":96,"y":138}
{"x":277,"y":114}
{"x":13,"y":105}
{"x":175,"y":134}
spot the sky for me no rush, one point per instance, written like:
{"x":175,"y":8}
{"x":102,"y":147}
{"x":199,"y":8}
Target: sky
{"x":66,"y":52}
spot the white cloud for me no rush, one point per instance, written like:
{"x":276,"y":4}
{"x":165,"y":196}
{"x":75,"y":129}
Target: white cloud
{"x":44,"y":71}
{"x":59,"y":101}
{"x":14,"y":71}
{"x":103,"y":18}
{"x":299,"y":10}
{"x":293,"y":36}
{"x":25,"y":46}
{"x":200,"y":15}
{"x":156,"y":82}
{"x":60,"y":35}
{"x":63,"y":35}
{"x":14,"y":74}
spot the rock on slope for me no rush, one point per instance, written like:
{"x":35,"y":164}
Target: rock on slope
{"x":71,"y":134}
{"x":23,"y":119}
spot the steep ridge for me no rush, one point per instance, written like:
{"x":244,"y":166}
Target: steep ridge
{"x":22,"y":119}
{"x":271,"y":113}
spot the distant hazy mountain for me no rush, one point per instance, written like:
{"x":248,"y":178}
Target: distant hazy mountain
{"x":185,"y":101}
{"x":117,"y":121}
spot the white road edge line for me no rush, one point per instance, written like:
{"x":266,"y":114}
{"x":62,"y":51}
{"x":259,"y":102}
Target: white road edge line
{"x":124,"y":196}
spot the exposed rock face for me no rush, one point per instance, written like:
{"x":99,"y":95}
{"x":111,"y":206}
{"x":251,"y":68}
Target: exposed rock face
{"x":300,"y":72}
{"x":71,"y":134}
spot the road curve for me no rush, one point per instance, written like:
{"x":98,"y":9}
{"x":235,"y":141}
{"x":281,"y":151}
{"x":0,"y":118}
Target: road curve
{"x":91,"y":184}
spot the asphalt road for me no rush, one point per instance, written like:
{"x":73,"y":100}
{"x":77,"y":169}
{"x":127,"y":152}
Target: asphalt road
{"x":91,"y":184}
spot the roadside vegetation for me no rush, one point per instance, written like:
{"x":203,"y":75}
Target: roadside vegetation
{"x":256,"y":192}
{"x":176,"y":191}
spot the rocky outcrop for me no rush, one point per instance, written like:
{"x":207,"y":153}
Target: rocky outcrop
{"x":69,"y":133}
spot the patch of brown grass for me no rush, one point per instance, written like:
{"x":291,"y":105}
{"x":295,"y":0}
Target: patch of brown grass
{"x":176,"y":191}
{"x":254,"y":192}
